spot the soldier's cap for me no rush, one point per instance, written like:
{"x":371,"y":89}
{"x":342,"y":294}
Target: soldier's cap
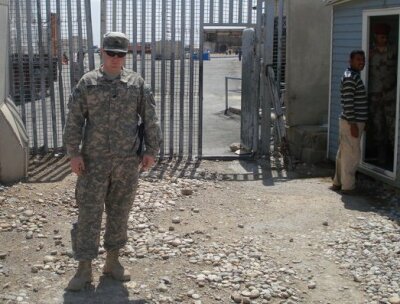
{"x":381,"y":29}
{"x":116,"y":42}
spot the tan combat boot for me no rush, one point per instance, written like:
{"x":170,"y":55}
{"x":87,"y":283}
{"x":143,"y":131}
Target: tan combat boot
{"x":114,"y":268}
{"x":83,"y":275}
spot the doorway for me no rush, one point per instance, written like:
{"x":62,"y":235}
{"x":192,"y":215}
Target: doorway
{"x":381,"y":42}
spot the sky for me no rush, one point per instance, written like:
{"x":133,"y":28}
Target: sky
{"x":95,"y":5}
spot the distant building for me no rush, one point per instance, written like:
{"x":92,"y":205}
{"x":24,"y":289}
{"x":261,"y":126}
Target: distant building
{"x":222,"y":39}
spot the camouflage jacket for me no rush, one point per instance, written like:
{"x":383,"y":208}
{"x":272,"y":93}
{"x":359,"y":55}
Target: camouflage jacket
{"x":104,"y":114}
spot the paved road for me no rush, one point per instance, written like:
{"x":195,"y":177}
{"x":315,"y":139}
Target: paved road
{"x":220,"y":130}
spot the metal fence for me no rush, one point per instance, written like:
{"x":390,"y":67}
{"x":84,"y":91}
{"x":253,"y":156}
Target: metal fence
{"x":166,"y":49}
{"x":50,"y":49}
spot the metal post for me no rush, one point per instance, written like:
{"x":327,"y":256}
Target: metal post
{"x":31,"y":73}
{"x":123,"y":21}
{"x":226,"y":93}
{"x":114,"y":14}
{"x":60,"y":78}
{"x":191,"y":79}
{"x":268,"y":39}
{"x":182,"y":79}
{"x":42,"y":76}
{"x":79,"y":54}
{"x":201,"y":33}
{"x":89,"y":33}
{"x":19,"y":58}
{"x":134,"y":34}
{"x":279,"y":55}
{"x":249,"y":104}
{"x":143,"y":41}
{"x":153,"y":45}
{"x":52,"y":53}
{"x":163,"y":105}
{"x":172,"y":82}
{"x":71,"y":46}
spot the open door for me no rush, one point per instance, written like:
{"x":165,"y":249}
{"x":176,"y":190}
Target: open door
{"x":381,"y":43}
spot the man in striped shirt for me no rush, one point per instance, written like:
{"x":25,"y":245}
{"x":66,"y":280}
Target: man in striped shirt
{"x":352,"y":123}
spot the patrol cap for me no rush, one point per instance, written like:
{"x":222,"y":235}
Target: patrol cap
{"x":381,"y":29}
{"x":115,"y":41}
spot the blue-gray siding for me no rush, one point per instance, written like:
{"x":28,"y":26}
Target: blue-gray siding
{"x":346,"y":36}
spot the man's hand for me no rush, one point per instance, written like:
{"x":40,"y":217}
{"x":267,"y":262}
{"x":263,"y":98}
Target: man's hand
{"x":147,"y":162}
{"x":77,"y":165}
{"x":354,"y":130}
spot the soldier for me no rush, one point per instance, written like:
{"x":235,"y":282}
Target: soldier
{"x":104,"y":110}
{"x":382,"y":87}
{"x":352,"y":123}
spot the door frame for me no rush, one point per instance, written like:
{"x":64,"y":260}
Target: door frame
{"x":365,"y":45}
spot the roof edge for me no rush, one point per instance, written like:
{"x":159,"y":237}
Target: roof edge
{"x":335,"y":2}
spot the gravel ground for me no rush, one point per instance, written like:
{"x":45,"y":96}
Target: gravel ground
{"x":209,"y":232}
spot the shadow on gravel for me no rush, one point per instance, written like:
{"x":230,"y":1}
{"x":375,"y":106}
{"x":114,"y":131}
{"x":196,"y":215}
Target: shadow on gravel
{"x":108,"y":291}
{"x":374,"y":196}
{"x":48,"y":168}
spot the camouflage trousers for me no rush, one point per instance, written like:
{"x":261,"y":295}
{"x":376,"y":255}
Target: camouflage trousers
{"x":110,"y":184}
{"x":382,"y":120}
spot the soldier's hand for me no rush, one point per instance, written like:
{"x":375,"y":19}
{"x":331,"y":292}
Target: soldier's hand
{"x":354,"y":130}
{"x":147,"y":162}
{"x":77,"y":165}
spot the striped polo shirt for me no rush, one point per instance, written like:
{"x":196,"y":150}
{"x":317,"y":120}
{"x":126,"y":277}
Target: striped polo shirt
{"x":353,"y":97}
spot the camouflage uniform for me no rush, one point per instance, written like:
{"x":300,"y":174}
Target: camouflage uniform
{"x":104,"y":116}
{"x":382,"y":97}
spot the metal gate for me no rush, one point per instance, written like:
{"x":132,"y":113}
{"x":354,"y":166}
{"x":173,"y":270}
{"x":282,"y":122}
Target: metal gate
{"x":167,"y":50}
{"x":50,"y":49}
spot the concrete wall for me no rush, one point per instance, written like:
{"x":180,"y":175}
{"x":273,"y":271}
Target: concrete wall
{"x":4,"y":52}
{"x":307,"y":62}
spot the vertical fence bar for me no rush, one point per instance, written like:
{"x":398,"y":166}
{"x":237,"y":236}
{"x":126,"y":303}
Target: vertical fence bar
{"x":60,"y":78}
{"x":89,"y":33}
{"x":42,"y":76}
{"x":201,"y":47}
{"x":268,"y":39}
{"x":51,"y":50}
{"x":172,"y":81}
{"x":191,"y":78}
{"x":230,"y":14}
{"x":31,"y":73}
{"x":249,"y":12}
{"x":71,"y":47}
{"x":240,"y":11}
{"x":163,"y":106}
{"x":258,"y":74}
{"x":153,"y":45}
{"x":134,"y":34}
{"x":211,"y":19}
{"x":79,"y":56}
{"x":182,"y":79}
{"x":279,"y":52}
{"x":20,"y":61}
{"x":123,"y":21}
{"x":143,"y":42}
{"x":221,"y":11}
{"x":103,"y":19}
{"x":114,"y":15}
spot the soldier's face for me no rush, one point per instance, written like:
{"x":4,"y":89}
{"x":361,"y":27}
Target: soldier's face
{"x":381,"y":39}
{"x":357,"y":63}
{"x":112,"y":64}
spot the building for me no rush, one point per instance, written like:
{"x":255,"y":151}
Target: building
{"x":223,"y":39}
{"x":354,"y":26}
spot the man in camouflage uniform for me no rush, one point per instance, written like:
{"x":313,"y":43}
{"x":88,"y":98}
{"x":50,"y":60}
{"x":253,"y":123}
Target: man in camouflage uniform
{"x":104,"y":111}
{"x":382,"y":86}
